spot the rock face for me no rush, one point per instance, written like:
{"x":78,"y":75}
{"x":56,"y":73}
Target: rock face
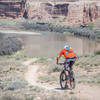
{"x":91,"y":12}
{"x":69,"y":13}
{"x":76,"y":13}
{"x":12,"y":8}
{"x":83,"y":13}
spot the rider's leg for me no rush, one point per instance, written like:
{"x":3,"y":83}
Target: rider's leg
{"x":67,"y":73}
{"x":67,"y":76}
{"x":71,"y":64}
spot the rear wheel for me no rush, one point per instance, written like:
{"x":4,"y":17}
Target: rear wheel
{"x":72,"y":80}
{"x":63,"y":80}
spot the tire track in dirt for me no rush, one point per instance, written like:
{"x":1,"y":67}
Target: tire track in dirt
{"x":31,"y":75}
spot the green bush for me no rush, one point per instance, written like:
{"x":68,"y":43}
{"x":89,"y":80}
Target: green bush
{"x":97,"y":52}
{"x":54,"y":68}
{"x":85,"y":32}
{"x":50,"y":27}
{"x":43,"y":26}
{"x":44,"y":78}
{"x":15,"y":85}
{"x":30,"y":98}
{"x":91,"y":25}
{"x":10,"y":98}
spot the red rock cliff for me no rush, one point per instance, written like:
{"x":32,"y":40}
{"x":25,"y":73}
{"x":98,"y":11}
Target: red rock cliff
{"x":12,"y":8}
{"x":69,"y":13}
{"x":73,"y":13}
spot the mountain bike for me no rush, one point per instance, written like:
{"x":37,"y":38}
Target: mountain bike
{"x":63,"y":81}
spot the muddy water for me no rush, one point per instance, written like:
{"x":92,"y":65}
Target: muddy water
{"x":51,"y":45}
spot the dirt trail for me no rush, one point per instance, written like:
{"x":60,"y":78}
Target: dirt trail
{"x":31,"y":74}
{"x":82,"y":91}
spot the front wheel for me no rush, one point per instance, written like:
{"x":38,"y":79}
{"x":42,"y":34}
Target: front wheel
{"x":63,"y":80}
{"x":72,"y":80}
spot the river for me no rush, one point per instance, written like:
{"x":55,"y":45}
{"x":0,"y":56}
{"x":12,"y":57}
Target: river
{"x":51,"y":44}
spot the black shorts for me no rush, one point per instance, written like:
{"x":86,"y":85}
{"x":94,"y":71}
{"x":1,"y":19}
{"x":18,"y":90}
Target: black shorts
{"x":69,"y":63}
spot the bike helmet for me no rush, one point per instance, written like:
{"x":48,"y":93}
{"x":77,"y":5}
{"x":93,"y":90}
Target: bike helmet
{"x":67,"y":47}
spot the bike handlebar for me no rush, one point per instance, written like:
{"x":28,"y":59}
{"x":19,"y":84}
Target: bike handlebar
{"x":65,"y":63}
{"x":60,"y":63}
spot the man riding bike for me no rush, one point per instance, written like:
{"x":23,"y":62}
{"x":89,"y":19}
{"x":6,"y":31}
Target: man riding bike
{"x":69,"y":60}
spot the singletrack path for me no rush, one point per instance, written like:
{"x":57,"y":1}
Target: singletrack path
{"x":31,"y":75}
{"x":82,"y":91}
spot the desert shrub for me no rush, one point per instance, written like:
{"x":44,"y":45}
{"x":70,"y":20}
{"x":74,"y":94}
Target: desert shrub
{"x":29,"y":98}
{"x":8,"y":22}
{"x":15,"y":85}
{"x":2,"y":85}
{"x":54,"y":68}
{"x":10,"y":45}
{"x":41,"y":60}
{"x":58,"y":96}
{"x":6,"y":97}
{"x":91,"y":25}
{"x":97,"y":33}
{"x":44,"y":78}
{"x":97,"y":52}
{"x":43,"y":27}
{"x":53,"y":97}
{"x":36,"y":89}
{"x":86,"y":32}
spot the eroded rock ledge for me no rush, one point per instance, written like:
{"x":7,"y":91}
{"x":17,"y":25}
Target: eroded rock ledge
{"x":69,"y":13}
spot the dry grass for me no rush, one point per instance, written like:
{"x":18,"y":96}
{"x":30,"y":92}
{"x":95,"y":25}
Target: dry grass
{"x":86,"y":68}
{"x":87,"y":71}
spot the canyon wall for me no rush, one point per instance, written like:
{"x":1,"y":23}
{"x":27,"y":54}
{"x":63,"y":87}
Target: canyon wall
{"x":72,"y":13}
{"x":69,"y":13}
{"x":83,"y":13}
{"x":12,"y":8}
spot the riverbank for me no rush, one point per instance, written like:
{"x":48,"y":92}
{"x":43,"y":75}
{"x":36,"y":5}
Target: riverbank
{"x":15,"y":86}
{"x":19,"y":32}
{"x":33,"y":25}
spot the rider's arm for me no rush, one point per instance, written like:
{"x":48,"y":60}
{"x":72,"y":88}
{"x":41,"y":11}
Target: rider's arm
{"x":58,"y":57}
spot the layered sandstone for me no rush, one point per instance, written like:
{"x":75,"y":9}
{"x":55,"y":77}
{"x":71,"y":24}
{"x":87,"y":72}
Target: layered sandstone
{"x":69,"y":13}
{"x":74,"y":13}
{"x":12,"y":8}
{"x":83,"y":13}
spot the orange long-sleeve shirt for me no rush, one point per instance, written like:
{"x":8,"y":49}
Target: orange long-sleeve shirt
{"x":67,"y":53}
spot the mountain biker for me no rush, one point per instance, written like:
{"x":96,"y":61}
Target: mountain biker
{"x":69,"y":60}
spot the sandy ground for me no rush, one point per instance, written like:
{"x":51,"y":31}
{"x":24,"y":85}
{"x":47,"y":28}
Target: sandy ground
{"x":82,"y":91}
